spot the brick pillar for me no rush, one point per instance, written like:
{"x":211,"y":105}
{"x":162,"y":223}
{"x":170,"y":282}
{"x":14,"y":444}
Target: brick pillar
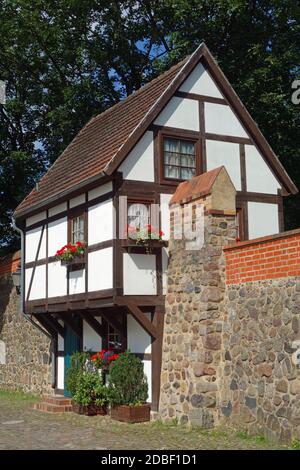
{"x":192,"y":343}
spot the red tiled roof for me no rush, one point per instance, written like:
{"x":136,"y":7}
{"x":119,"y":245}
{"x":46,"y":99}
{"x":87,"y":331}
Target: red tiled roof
{"x":196,"y":187}
{"x":99,"y":140}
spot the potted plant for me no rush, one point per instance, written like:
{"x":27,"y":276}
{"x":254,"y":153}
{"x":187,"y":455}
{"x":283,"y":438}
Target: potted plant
{"x":145,"y":236}
{"x":128,"y":389}
{"x":72,"y":255}
{"x":102,"y":361}
{"x":78,"y":362}
{"x":91,"y":396}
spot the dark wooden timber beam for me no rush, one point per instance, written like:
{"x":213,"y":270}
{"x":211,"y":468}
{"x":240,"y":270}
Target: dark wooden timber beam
{"x":113,"y":322}
{"x":71,"y":324}
{"x":45,"y":325}
{"x":54,"y":324}
{"x":94,"y":324}
{"x":142,"y":319}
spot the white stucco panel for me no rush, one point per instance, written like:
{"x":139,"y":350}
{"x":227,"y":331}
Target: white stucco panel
{"x":100,"y":274}
{"x":32,"y":243}
{"x":77,"y":281}
{"x":227,"y":154}
{"x":260,"y":178}
{"x":148,"y":374}
{"x":180,"y":112}
{"x":100,"y":222}
{"x":138,"y":340}
{"x":139,"y":274}
{"x":57,"y":279}
{"x":61,"y":372}
{"x":91,"y":340}
{"x":76,"y":201}
{"x":165,"y":215}
{"x":139,"y":164}
{"x":263,"y":219}
{"x":100,"y":190}
{"x":200,"y":82}
{"x":220,"y":119}
{"x":57,"y":235}
{"x":38,"y":287}
{"x":35,"y":218}
{"x":57,"y":209}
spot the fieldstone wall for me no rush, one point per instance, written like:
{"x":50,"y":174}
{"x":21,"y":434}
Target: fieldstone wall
{"x":261,"y":378}
{"x":24,"y":351}
{"x":192,"y":357}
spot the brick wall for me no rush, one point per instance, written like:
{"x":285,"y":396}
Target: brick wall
{"x":264,"y":258}
{"x":10,"y":263}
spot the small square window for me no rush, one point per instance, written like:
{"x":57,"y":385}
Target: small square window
{"x":179,"y":158}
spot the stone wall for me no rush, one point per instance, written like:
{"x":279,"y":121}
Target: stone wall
{"x":192,"y":360}
{"x":261,"y":380}
{"x":24,"y":351}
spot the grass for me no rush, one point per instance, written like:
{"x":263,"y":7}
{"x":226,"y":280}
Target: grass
{"x":18,"y":397}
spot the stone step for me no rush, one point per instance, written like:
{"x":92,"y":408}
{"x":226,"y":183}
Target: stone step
{"x":57,"y":400}
{"x":50,"y":408}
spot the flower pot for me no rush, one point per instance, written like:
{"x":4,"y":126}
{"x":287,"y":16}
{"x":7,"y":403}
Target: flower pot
{"x":131,"y":414}
{"x":89,"y":410}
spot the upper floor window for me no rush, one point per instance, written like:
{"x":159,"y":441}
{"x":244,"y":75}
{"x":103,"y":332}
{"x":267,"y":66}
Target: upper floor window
{"x":179,"y":159}
{"x":138,"y":215}
{"x":77,"y":228}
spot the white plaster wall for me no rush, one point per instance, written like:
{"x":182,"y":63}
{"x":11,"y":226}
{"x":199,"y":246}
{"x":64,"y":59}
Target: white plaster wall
{"x":100,"y":222}
{"x":165,"y":261}
{"x":220,"y":119}
{"x":180,"y":112}
{"x":138,"y":340}
{"x":165,"y":215}
{"x":35,"y":218}
{"x":260,"y":178}
{"x":91,"y":340}
{"x":76,"y":201}
{"x":201,"y":83}
{"x":139,"y":271}
{"x":57,"y":279}
{"x":139,"y":165}
{"x":100,"y":190}
{"x":77,"y":281}
{"x":38,"y":288}
{"x":60,"y":339}
{"x":32,"y":243}
{"x":57,"y":235}
{"x":227,"y":154}
{"x":263,"y":219}
{"x":148,"y":374}
{"x":60,"y":372}
{"x":57,"y":209}
{"x":100,"y":274}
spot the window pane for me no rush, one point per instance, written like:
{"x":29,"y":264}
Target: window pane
{"x":179,"y":159}
{"x":138,"y":215}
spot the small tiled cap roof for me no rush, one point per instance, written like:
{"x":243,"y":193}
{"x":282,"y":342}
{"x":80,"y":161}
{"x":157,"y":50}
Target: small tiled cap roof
{"x":98,"y":142}
{"x":196,"y":187}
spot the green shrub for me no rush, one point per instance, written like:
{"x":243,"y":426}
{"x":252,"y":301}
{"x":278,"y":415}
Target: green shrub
{"x":75,"y":370}
{"x":127,"y":381}
{"x":90,"y":389}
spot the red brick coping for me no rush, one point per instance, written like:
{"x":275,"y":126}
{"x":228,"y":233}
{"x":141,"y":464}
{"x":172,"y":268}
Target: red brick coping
{"x":270,"y":257}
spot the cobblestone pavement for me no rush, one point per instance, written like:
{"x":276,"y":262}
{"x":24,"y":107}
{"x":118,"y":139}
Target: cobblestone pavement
{"x":21,"y":427}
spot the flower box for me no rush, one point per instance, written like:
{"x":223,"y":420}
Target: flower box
{"x":131,"y":414}
{"x":78,"y":262}
{"x":89,"y":410}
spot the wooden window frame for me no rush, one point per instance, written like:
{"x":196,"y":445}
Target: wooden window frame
{"x":146,"y":202}
{"x":77,"y":212}
{"x":240,"y":218}
{"x":182,"y":135}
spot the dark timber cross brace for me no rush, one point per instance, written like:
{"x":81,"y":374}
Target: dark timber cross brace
{"x":72,"y":324}
{"x":142,"y":319}
{"x":93,"y":323}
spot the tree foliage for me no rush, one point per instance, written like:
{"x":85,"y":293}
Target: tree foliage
{"x":66,"y":60}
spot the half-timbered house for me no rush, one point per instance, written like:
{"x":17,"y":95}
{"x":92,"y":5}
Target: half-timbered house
{"x":183,"y":123}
